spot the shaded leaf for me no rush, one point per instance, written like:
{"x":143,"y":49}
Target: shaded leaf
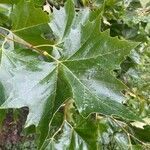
{"x":69,"y":139}
{"x":80,"y":133}
{"x":143,"y":134}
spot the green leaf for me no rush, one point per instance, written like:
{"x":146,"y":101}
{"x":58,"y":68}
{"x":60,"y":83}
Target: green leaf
{"x":71,"y":139}
{"x":2,"y":117}
{"x":142,"y":134}
{"x":2,"y":95}
{"x":4,"y":15}
{"x":39,"y":2}
{"x":79,"y":133}
{"x":26,"y":15}
{"x":80,"y":65}
{"x":61,"y":24}
{"x":9,"y":1}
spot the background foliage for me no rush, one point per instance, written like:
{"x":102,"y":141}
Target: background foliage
{"x":124,"y":19}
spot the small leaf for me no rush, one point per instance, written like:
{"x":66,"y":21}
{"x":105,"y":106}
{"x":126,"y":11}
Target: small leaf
{"x":69,"y":139}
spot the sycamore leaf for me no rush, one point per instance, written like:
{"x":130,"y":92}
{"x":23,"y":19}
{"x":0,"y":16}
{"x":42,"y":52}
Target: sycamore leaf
{"x":76,"y":134}
{"x":25,"y":15}
{"x":80,"y":66}
{"x":72,"y":139}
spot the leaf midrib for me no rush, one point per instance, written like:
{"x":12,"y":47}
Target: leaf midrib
{"x":61,"y":62}
{"x":88,"y":89}
{"x":88,"y":58}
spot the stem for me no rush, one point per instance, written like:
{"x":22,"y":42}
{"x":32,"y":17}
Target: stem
{"x":44,"y":45}
{"x":129,"y":139}
{"x":30,"y":46}
{"x":128,"y":134}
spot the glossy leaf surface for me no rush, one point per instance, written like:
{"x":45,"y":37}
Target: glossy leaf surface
{"x":79,"y":65}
